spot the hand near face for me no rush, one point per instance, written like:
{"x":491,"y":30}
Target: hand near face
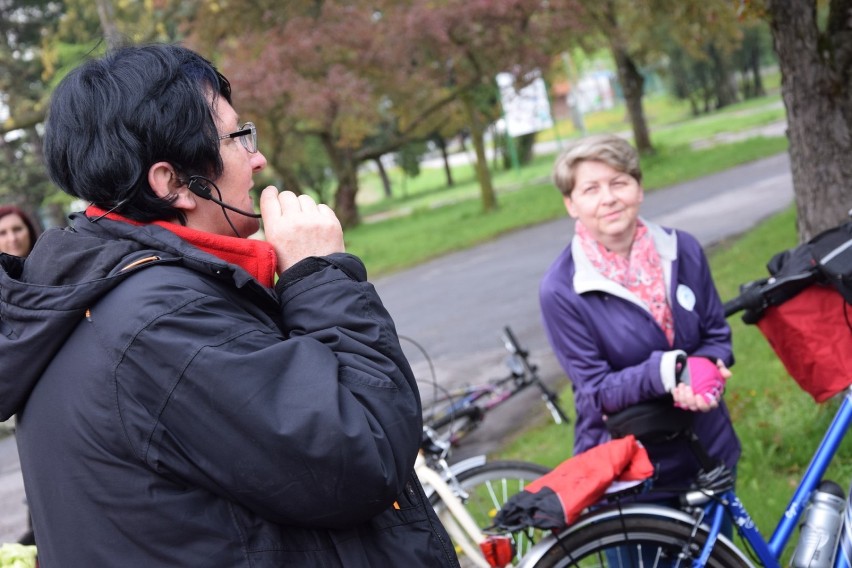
{"x":297,"y":227}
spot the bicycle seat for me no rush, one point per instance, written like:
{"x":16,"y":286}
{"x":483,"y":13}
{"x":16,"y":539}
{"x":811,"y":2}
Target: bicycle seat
{"x":653,"y":421}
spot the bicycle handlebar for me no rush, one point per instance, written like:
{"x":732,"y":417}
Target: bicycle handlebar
{"x":511,"y":342}
{"x":750,"y":298}
{"x":758,"y":295}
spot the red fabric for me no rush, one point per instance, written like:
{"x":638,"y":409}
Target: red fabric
{"x":813,"y":340}
{"x":254,"y":256}
{"x":581,"y":481}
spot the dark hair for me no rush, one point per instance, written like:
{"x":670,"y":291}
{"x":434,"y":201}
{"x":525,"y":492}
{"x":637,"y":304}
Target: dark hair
{"x":28,"y":222}
{"x":112,"y":118}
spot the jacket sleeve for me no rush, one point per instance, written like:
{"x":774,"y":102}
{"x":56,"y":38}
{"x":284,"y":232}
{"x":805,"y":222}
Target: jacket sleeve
{"x":714,"y":333}
{"x":315,"y":425}
{"x":582,"y":343}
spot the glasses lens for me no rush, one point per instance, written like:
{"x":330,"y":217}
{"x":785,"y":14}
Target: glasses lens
{"x":250,"y":140}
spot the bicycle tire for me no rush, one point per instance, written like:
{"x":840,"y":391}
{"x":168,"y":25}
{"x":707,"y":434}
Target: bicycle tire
{"x":635,"y":538}
{"x":489,"y":486}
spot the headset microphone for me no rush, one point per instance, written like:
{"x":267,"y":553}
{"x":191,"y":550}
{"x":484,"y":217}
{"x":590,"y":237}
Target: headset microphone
{"x":198,"y":186}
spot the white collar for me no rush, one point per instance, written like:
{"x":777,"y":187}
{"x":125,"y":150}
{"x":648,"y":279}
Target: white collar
{"x":588,"y":279}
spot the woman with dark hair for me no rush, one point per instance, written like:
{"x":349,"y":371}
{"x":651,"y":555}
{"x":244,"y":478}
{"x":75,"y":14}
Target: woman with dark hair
{"x":18,"y":233}
{"x":188,"y":396}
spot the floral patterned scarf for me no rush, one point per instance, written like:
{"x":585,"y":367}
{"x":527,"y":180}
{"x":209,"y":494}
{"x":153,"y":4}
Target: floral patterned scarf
{"x":641,"y":272}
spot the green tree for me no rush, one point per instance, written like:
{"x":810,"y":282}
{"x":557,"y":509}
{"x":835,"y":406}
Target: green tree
{"x":22,"y":95}
{"x":635,"y":32}
{"x":42,"y":40}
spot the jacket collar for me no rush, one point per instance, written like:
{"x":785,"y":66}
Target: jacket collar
{"x":254,"y":256}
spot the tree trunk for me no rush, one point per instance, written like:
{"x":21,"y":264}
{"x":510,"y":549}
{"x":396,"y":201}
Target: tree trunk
{"x":386,"y":184}
{"x":442,"y":144}
{"x":290,"y":180}
{"x":633,"y":84}
{"x":753,"y":63}
{"x":344,"y":200}
{"x":280,"y":162}
{"x":483,"y":175}
{"x":724,"y":88}
{"x":106,"y":15}
{"x":819,"y":114}
{"x":346,"y":171}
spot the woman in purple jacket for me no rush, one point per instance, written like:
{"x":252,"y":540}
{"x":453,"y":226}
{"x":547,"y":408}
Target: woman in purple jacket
{"x":626,"y":302}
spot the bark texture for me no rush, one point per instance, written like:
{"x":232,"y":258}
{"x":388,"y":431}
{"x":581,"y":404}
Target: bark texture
{"x":815,"y":86}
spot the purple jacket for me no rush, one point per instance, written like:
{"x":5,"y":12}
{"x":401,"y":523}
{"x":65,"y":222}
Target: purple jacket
{"x":612,"y":349}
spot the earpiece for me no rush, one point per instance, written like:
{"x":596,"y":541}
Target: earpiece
{"x":198,"y":187}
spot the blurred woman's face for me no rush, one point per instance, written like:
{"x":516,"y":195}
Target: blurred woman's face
{"x":14,"y":236}
{"x":606,"y":201}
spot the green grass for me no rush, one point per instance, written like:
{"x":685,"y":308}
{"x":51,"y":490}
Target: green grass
{"x":778,"y":424}
{"x":427,"y":232}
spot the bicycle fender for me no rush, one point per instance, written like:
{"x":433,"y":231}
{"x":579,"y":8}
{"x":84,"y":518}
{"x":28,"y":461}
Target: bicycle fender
{"x":472,"y":462}
{"x":468,"y":464}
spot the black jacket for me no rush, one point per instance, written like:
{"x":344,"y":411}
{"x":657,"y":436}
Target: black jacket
{"x":178,"y":413}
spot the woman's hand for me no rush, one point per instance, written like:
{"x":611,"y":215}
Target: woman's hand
{"x":711,"y":389}
{"x":685,"y":398}
{"x":297,"y":227}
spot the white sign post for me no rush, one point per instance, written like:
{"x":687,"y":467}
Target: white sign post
{"x":527,"y":110}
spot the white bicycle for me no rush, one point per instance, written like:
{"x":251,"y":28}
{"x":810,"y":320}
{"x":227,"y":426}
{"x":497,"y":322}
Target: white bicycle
{"x":467,"y":495}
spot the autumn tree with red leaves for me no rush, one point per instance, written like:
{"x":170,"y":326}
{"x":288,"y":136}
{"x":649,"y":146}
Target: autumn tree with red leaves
{"x":341,"y":71}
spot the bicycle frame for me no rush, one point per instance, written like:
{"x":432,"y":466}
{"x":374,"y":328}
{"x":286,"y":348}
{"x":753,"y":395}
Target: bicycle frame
{"x":459,"y":524}
{"x":497,"y":393}
{"x":727,"y":503}
{"x":769,"y":552}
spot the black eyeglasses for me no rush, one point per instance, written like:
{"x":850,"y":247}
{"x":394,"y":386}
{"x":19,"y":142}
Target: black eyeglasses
{"x":247,"y":135}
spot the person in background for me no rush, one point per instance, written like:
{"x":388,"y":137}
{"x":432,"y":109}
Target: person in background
{"x":187,"y":396}
{"x":629,"y":305}
{"x":18,"y":233}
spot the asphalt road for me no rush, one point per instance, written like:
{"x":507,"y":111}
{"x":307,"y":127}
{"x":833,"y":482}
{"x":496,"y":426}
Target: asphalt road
{"x":456,"y":306}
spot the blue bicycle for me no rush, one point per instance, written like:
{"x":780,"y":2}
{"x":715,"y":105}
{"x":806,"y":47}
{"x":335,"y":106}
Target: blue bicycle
{"x":622,"y":532}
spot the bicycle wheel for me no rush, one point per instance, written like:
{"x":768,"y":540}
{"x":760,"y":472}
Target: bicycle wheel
{"x":451,"y":424}
{"x":644,"y":537}
{"x":486,"y":488}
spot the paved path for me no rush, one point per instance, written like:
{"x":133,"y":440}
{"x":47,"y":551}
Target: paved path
{"x":455,"y":306}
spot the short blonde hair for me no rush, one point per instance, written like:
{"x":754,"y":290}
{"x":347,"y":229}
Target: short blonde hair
{"x":613,"y":151}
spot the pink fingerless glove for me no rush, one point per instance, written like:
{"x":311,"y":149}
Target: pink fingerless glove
{"x":704,"y":377}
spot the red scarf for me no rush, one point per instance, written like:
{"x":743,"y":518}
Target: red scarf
{"x":641,"y":272}
{"x":254,"y":256}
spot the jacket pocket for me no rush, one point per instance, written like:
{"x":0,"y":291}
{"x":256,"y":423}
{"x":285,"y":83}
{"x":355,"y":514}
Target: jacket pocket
{"x":409,"y":507}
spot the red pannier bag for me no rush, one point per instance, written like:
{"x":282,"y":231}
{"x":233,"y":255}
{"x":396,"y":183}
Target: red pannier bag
{"x":556,"y":499}
{"x":805,"y":311}
{"x":811,"y":334}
